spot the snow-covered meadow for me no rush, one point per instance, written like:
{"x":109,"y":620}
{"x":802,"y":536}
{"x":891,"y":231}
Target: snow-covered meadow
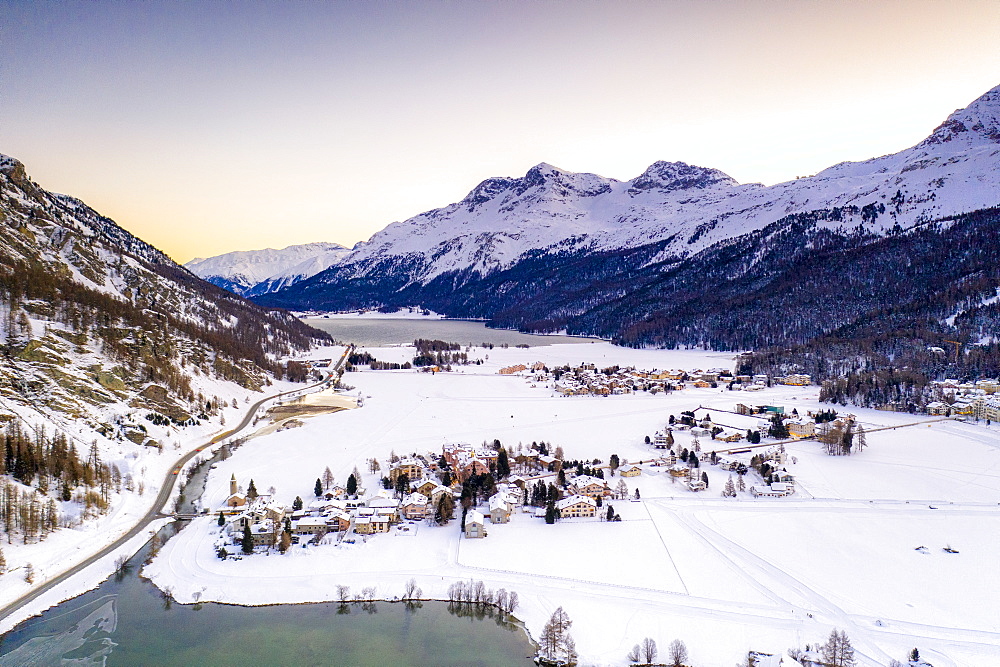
{"x":724,"y":575}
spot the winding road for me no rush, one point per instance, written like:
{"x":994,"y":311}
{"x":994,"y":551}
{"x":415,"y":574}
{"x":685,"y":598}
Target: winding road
{"x":155,"y":511}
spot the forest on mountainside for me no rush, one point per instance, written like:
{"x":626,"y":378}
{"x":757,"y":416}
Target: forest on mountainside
{"x":804,"y":297}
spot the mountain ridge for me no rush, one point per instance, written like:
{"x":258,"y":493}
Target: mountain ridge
{"x":549,"y":210}
{"x":253,"y":272}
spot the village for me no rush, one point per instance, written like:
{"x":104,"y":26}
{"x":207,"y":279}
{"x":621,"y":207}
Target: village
{"x":487,"y":485}
{"x":587,"y":380}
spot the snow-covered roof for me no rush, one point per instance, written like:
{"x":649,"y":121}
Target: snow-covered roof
{"x":575,"y":500}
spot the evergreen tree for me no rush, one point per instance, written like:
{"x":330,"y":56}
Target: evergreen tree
{"x":777,"y":428}
{"x":503,"y":464}
{"x":222,"y":520}
{"x":246,"y":544}
{"x":914,"y":655}
{"x":297,"y":504}
{"x":318,"y":488}
{"x":445,"y":509}
{"x":550,"y":512}
{"x":704,"y":478}
{"x":402,"y":484}
{"x":352,"y":485}
{"x":637,"y":493}
{"x":252,"y":491}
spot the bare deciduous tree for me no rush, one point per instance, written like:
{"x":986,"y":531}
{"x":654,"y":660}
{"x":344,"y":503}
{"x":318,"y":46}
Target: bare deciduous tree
{"x":649,"y":649}
{"x":678,"y":653}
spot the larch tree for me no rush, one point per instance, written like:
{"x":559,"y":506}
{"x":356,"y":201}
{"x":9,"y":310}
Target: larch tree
{"x":837,"y":651}
{"x":327,"y":478}
{"x":555,"y":635}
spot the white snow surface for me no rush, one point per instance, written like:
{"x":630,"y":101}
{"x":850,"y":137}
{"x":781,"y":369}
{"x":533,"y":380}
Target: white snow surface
{"x":724,"y":575}
{"x":283,"y":267}
{"x":955,"y":170}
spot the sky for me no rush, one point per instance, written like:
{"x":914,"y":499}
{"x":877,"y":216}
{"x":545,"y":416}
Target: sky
{"x":206,"y":127}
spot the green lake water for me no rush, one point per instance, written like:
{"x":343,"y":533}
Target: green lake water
{"x":125,"y":621}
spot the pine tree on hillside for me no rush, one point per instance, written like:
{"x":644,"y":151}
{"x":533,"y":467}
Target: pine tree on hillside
{"x":352,"y":485}
{"x":252,"y":491}
{"x":318,"y":488}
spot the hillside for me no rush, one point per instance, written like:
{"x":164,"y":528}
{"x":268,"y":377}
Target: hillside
{"x":109,"y":349}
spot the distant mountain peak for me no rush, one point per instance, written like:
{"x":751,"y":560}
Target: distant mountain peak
{"x":249,"y":272}
{"x":668,"y":176}
{"x":562,"y":182}
{"x":980,"y":120}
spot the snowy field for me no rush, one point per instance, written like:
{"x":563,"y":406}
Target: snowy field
{"x":724,"y":575}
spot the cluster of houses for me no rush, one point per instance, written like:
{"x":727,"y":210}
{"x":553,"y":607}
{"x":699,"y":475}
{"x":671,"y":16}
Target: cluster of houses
{"x":336,"y":513}
{"x":783,"y":482}
{"x":979,"y":399}
{"x":587,"y":379}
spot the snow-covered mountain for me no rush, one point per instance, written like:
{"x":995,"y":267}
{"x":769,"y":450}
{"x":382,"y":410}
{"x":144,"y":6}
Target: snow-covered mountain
{"x":254,"y":272}
{"x":100,"y":326}
{"x":549,"y":210}
{"x":684,"y":255}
